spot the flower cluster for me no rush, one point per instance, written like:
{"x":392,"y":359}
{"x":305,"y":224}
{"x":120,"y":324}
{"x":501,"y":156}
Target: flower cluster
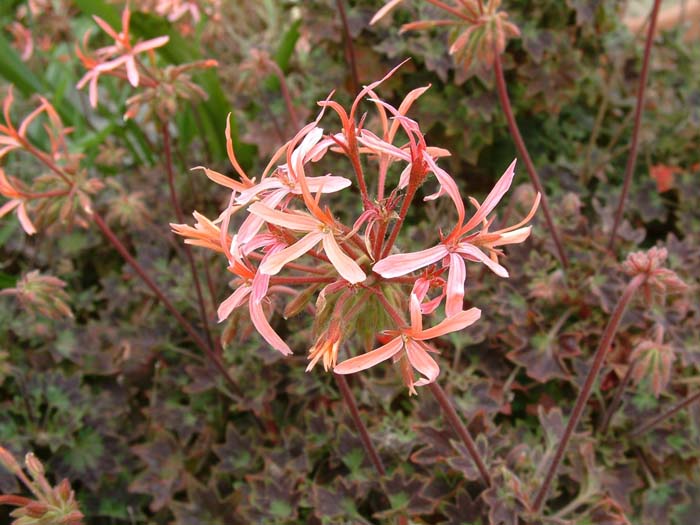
{"x":118,"y":59}
{"x":50,"y":197}
{"x":49,"y":504}
{"x":480,"y":30}
{"x":288,"y":240}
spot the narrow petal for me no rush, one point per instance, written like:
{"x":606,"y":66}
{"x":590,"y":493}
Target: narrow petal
{"x":92,"y":91}
{"x":403,"y":263}
{"x":452,"y":324}
{"x":106,"y":27}
{"x":150,"y":44}
{"x":473,"y":253}
{"x":24,"y":220}
{"x":455,"y":285}
{"x":236,"y":299}
{"x":276,"y":262}
{"x":493,"y":198}
{"x":347,"y":268}
{"x":293,"y":221}
{"x":265,"y":330}
{"x":132,"y":72}
{"x":252,"y":223}
{"x":421,"y":361}
{"x":265,"y":185}
{"x":326,"y":184}
{"x":416,"y":314}
{"x":384,"y":10}
{"x":512,"y":237}
{"x":9,"y":206}
{"x":368,"y":360}
{"x":448,"y":184}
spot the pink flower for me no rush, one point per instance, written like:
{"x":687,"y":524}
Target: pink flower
{"x":316,"y":231}
{"x":122,"y":49}
{"x":409,"y":343}
{"x":460,"y":244}
{"x":16,"y":203}
{"x":253,"y":288}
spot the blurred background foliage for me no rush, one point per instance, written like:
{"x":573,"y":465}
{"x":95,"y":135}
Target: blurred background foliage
{"x":117,"y":399}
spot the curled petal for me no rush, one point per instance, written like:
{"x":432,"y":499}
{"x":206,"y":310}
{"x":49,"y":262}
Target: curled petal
{"x":265,"y":330}
{"x":452,"y":324}
{"x":273,"y":264}
{"x":236,"y":299}
{"x":403,"y":263}
{"x":512,"y":237}
{"x":368,"y":360}
{"x":493,"y":198}
{"x":473,"y":253}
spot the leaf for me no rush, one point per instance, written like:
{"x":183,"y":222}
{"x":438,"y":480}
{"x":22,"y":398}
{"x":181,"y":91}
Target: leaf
{"x":7,"y":280}
{"x":15,"y":71}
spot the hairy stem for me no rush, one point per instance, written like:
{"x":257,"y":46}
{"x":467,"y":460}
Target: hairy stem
{"x":196,"y":338}
{"x":598,"y":360}
{"x":665,"y":415}
{"x":451,"y":415}
{"x":634,"y":144}
{"x":523,"y":152}
{"x":181,"y":219}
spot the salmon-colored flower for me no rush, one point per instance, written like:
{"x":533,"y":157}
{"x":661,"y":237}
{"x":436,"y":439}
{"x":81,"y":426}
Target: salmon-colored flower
{"x":112,"y":57}
{"x":317,"y":231}
{"x":15,"y":203}
{"x":462,"y":245}
{"x":253,"y":287}
{"x":409,"y":343}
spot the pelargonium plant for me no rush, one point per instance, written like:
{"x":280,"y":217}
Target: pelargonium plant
{"x":289,"y":240}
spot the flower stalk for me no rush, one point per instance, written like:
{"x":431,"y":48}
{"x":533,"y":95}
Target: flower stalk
{"x":451,"y":415}
{"x":634,"y":143}
{"x":689,"y":400}
{"x":196,"y":338}
{"x":525,"y":155}
{"x":175,"y":202}
{"x":598,"y":360}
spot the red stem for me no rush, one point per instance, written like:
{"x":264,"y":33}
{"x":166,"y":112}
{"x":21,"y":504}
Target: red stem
{"x":634,"y":145}
{"x":285,"y":92}
{"x":349,"y":48}
{"x":181,"y":219}
{"x":523,"y":152}
{"x":196,"y":338}
{"x":359,"y":425}
{"x":598,"y":359}
{"x":451,"y":415}
{"x":615,"y":403}
{"x":661,"y":417}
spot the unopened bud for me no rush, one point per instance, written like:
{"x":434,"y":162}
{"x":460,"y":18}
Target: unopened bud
{"x":300,"y":302}
{"x":73,"y":518}
{"x":8,"y":461}
{"x":64,"y":490}
{"x":34,"y":466}
{"x":36,"y":509}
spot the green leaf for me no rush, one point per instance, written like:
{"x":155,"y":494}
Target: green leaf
{"x":15,"y":71}
{"x":7,"y":280}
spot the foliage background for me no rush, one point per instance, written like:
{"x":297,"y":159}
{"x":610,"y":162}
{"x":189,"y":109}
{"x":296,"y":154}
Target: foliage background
{"x":117,"y":399}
